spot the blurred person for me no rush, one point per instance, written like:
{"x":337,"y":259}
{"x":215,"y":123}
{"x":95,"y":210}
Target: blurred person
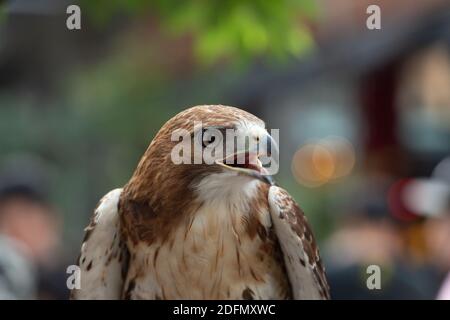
{"x":17,"y":275}
{"x":30,"y":227}
{"x":27,"y":219}
{"x":367,"y":241}
{"x":369,"y":235}
{"x":430,"y":197}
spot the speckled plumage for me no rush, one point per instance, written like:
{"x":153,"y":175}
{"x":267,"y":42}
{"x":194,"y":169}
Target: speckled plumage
{"x":197,"y":231}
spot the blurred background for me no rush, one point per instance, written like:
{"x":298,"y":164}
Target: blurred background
{"x":364,"y":119}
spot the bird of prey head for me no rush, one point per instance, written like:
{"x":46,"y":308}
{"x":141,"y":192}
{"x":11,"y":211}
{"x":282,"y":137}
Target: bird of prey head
{"x":238,"y":167}
{"x":212,"y":226}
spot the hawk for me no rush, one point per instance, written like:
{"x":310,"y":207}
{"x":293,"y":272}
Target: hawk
{"x":200,"y":231}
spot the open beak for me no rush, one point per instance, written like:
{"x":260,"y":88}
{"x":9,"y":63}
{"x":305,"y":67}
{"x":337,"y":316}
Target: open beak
{"x":248,"y":162}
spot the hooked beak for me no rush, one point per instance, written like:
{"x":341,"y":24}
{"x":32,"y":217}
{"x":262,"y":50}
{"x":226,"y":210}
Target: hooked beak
{"x":248,"y":163}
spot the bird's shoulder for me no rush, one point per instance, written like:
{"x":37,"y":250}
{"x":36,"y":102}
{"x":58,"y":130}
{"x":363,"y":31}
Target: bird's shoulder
{"x":298,"y":244}
{"x":103,"y":258}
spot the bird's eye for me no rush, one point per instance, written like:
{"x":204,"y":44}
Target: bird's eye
{"x":209,"y":136}
{"x":208,"y":141}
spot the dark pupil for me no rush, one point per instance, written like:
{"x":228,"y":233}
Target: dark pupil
{"x":209,"y":141}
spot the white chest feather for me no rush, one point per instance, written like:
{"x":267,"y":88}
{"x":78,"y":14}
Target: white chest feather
{"x":209,"y":256}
